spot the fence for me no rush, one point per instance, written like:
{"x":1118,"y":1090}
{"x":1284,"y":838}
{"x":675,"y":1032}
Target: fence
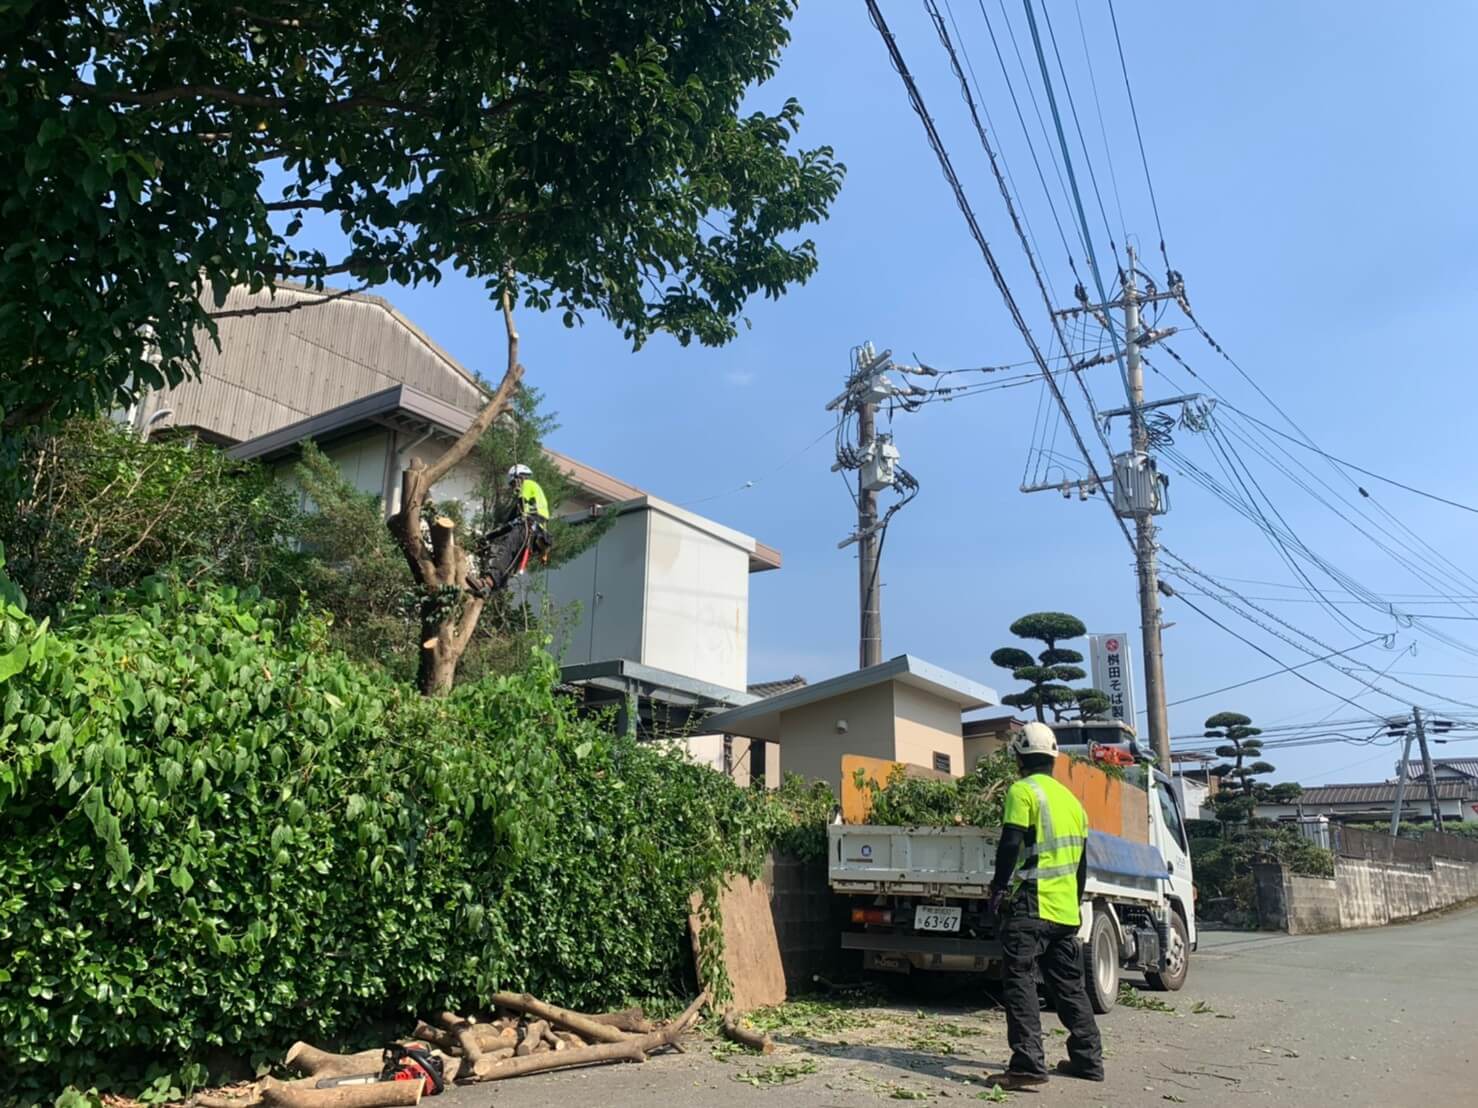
{"x":1351,"y":842}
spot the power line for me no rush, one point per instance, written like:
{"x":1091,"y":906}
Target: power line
{"x":1351,"y":465}
{"x":1138,"y":134}
{"x":1274,"y":673}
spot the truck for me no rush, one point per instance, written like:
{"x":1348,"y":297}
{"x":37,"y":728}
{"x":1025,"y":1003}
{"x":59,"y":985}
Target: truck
{"x":919,"y":895}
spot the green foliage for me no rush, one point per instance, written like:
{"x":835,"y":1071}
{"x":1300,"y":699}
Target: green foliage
{"x":973,"y":800}
{"x":97,"y":511}
{"x":222,"y":835}
{"x":1240,"y":794}
{"x":1223,"y":865}
{"x":1051,"y":670}
{"x":802,"y":810}
{"x":597,"y":152}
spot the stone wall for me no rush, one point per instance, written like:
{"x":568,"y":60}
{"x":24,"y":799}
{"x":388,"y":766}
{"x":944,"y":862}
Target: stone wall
{"x":1362,"y":893}
{"x":809,"y":921}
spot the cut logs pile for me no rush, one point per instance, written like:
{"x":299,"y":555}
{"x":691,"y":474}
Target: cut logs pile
{"x":521,"y":1035}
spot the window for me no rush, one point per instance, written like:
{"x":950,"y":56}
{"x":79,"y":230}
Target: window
{"x":757,"y":748}
{"x":941,"y":762}
{"x":729,"y":755}
{"x":1171,"y":811}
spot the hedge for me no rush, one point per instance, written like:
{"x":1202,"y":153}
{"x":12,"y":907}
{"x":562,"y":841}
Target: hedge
{"x":221,"y":836}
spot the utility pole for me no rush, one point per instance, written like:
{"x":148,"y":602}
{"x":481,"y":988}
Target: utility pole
{"x":870,"y":637}
{"x":1421,"y":738}
{"x":875,"y":459}
{"x":1400,"y":787}
{"x":1144,"y":537}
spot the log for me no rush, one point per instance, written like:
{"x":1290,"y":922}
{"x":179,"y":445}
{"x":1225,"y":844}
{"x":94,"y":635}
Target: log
{"x":466,"y":1037}
{"x":308,"y":1059}
{"x":533,"y":1038}
{"x":737,"y":1032}
{"x":584,"y":1025}
{"x":553,"y":1041}
{"x":628,"y":1050}
{"x":633,"y":1020}
{"x":382,"y":1094}
{"x":443,"y":1041}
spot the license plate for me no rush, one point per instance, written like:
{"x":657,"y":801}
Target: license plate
{"x":936,"y":917}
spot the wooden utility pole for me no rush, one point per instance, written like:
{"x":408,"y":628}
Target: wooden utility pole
{"x":870,"y":631}
{"x":1421,"y":737}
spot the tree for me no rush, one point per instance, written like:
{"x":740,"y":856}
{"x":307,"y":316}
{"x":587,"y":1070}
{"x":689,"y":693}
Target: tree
{"x":588,"y":158}
{"x":1049,"y":672}
{"x":1243,"y":749}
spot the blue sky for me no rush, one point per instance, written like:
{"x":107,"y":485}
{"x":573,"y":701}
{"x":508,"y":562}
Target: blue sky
{"x":1315,"y":181}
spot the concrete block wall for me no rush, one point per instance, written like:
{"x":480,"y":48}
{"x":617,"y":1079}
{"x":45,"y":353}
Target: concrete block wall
{"x":1313,"y":904}
{"x":809,"y":920}
{"x":1362,"y":893}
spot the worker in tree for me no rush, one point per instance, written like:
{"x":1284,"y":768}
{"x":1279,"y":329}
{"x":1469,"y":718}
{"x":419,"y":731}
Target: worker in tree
{"x":1037,"y":893}
{"x":523,"y":533}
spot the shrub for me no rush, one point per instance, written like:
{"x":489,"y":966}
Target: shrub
{"x":222,"y":835}
{"x":1223,"y":866}
{"x":974,"y":800}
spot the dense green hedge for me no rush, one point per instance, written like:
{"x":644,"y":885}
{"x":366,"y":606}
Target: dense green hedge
{"x":218,"y":833}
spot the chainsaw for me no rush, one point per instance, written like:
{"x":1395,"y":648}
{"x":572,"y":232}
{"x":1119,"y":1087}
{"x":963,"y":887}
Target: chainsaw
{"x":402,"y":1062}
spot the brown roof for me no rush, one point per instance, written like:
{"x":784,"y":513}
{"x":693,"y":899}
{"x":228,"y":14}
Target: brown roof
{"x":775,"y":688}
{"x":1468,"y":767}
{"x":1383,"y":793}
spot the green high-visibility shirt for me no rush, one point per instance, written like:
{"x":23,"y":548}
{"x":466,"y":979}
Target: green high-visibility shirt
{"x":531,"y":499}
{"x":1048,"y":869}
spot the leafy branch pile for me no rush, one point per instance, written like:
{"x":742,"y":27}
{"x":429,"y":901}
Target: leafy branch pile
{"x":973,"y":800}
{"x":221,"y":836}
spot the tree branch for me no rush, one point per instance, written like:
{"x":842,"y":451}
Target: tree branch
{"x":491,"y":410}
{"x":274,"y":309}
{"x":259,"y":100}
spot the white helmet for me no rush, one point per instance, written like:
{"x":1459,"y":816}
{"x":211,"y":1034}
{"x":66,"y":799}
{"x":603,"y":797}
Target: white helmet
{"x":1035,"y":738}
{"x":519,"y":472}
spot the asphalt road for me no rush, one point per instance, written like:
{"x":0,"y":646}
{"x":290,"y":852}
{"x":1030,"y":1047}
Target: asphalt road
{"x":1380,"y":1017}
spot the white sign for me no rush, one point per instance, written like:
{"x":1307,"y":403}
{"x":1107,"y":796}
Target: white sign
{"x":1113,"y":674}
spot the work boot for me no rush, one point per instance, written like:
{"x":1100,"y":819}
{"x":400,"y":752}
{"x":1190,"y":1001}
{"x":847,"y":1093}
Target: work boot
{"x":1068,"y":1068}
{"x":1015,"y":1080}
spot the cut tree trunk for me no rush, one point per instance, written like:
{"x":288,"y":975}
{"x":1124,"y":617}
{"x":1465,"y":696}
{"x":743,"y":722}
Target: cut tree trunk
{"x":382,"y":1094}
{"x":737,"y":1032}
{"x":440,"y":567}
{"x":465,"y":1033}
{"x":584,"y":1025}
{"x":308,"y":1059}
{"x":533,"y":1038}
{"x":628,"y":1019}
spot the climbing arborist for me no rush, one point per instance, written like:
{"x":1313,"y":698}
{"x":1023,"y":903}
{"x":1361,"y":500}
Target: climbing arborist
{"x":524,"y":532}
{"x":1037,"y":893}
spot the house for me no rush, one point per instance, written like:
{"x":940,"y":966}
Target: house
{"x":1373,"y":802}
{"x":904,"y":710}
{"x":1195,"y":784}
{"x":662,"y":626}
{"x":1443,"y":769}
{"x":984,"y":737}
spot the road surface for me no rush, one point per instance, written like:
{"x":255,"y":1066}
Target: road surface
{"x":1379,"y":1017}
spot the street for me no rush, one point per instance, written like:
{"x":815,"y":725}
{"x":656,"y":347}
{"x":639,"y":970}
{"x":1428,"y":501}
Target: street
{"x":1376,"y":1017}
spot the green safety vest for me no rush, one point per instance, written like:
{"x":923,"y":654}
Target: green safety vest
{"x":1048,"y":872}
{"x":531,"y":499}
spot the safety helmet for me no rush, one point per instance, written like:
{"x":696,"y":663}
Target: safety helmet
{"x":1035,"y":738}
{"x":519,"y":472}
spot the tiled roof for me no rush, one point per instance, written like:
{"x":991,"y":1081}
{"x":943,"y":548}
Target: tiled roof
{"x":1383,"y":793}
{"x":775,"y":688}
{"x":1466,"y":766}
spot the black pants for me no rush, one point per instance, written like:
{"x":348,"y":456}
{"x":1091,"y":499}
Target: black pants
{"x":1025,"y":944}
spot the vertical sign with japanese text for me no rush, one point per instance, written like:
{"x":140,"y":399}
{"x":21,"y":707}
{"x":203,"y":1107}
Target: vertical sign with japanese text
{"x":1112,"y":673}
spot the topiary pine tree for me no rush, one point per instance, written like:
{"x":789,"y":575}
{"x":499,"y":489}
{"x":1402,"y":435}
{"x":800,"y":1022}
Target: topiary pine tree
{"x":1243,"y":749}
{"x":1051,"y":670}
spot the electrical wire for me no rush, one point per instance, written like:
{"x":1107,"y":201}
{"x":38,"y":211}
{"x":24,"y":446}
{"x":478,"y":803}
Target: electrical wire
{"x":1138,"y":134}
{"x":1274,"y":673}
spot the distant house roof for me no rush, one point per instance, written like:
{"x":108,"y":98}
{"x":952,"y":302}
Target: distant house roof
{"x":1468,"y":767}
{"x":775,"y":688}
{"x":407,"y":408}
{"x":761,"y":720}
{"x":1382,"y":793}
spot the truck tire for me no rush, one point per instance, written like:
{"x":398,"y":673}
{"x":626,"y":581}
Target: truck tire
{"x":1101,"y":963}
{"x":1177,"y":959}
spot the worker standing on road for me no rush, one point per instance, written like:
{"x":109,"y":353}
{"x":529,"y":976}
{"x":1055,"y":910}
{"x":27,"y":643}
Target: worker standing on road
{"x":1041,"y":870}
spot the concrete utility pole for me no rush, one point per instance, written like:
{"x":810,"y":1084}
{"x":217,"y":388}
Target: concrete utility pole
{"x":1400,"y":787}
{"x":1421,"y":738}
{"x":1144,"y":537}
{"x":870,"y":638}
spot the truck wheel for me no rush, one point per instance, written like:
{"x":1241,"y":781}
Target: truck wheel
{"x":1177,"y":959}
{"x":1101,"y":964}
